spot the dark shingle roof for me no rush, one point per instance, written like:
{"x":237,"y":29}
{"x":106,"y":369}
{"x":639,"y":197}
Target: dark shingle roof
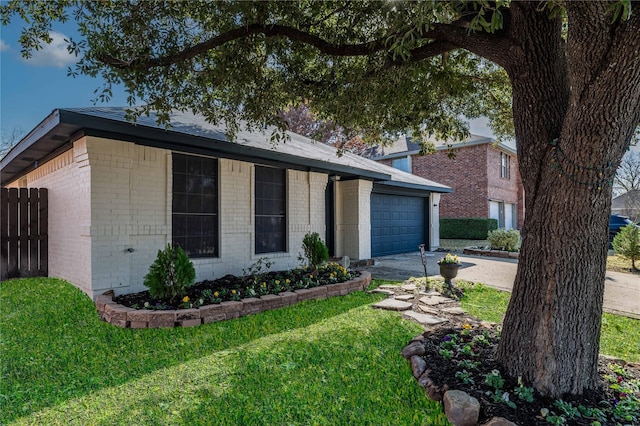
{"x":192,"y":133}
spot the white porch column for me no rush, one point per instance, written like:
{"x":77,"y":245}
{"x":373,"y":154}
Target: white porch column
{"x":353,"y":219}
{"x":434,"y":221}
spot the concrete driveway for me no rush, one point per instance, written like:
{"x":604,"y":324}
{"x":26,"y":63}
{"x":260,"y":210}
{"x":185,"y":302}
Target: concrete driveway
{"x":621,"y":293}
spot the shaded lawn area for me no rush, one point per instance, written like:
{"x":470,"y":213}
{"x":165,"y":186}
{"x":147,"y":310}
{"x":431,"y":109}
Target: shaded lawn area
{"x":327,"y":362}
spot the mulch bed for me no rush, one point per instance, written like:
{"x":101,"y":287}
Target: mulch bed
{"x":443,"y":372}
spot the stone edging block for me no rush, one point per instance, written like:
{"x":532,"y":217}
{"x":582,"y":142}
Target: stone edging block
{"x":125,"y":317}
{"x":491,"y":253}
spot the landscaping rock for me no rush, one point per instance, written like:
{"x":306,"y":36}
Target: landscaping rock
{"x":408,"y":287}
{"x":393,"y":305}
{"x":460,"y":408}
{"x":499,"y":421}
{"x":383,"y":291}
{"x":413,"y":348}
{"x":431,"y":390}
{"x":418,"y":366}
{"x":388,"y":287}
{"x":424,"y":319}
{"x":454,"y":310}
{"x":435,"y":300}
{"x":404,"y":297}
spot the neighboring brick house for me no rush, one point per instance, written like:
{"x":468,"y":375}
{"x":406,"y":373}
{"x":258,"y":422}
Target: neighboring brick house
{"x":484,"y":176}
{"x":119,"y":192}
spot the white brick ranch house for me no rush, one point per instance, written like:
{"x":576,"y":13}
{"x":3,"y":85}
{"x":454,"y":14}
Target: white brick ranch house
{"x":120,"y":191}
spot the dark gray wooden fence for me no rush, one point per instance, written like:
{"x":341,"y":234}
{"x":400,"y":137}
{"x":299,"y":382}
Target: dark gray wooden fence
{"x":23,"y":232}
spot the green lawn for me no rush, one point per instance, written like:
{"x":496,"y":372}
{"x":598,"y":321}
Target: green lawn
{"x":620,"y":335}
{"x":327,"y":362}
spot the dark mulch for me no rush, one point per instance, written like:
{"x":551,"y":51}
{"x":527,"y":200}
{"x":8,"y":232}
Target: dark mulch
{"x":231,"y":287}
{"x":194,"y":293}
{"x":443,"y":372}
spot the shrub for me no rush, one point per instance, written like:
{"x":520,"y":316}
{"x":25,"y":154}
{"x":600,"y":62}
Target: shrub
{"x":467,"y":228}
{"x":626,"y":243}
{"x":502,"y":239}
{"x":315,"y":250}
{"x":170,"y":274}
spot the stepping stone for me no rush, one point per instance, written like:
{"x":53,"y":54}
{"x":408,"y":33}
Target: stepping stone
{"x":427,"y":310}
{"x":435,"y":300}
{"x":404,"y":297}
{"x":388,"y":287}
{"x":393,"y":305}
{"x":454,"y":310}
{"x":383,"y":291}
{"x":408,"y":287}
{"x":423,"y":319}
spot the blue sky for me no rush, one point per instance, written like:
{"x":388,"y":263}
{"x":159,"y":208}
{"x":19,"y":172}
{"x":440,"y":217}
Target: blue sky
{"x":31,"y":89}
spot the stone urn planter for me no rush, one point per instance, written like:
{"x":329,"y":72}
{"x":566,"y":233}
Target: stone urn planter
{"x":448,"y":271}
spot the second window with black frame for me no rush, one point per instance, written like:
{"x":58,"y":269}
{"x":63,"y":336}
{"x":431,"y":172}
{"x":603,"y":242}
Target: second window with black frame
{"x":270,"y":210}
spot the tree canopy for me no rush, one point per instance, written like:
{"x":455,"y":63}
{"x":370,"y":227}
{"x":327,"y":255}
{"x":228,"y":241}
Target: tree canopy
{"x":372,"y":67}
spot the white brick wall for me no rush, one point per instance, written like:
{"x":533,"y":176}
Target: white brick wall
{"x":353,"y":218}
{"x":68,"y":184}
{"x":434,"y":220}
{"x":107,"y":197}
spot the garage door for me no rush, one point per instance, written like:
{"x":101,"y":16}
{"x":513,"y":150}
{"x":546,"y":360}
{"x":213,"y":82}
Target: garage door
{"x":397,"y":224}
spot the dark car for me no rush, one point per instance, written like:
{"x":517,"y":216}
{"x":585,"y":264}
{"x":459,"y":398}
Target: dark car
{"x":615,"y":223}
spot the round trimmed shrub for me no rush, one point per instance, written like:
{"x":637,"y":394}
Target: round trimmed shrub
{"x":502,"y":239}
{"x":170,"y":274}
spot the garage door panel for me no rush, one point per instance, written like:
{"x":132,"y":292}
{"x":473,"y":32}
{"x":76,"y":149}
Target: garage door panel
{"x":397,"y":224}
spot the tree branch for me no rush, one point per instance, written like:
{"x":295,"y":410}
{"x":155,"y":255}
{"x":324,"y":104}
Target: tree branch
{"x":294,"y":34}
{"x":494,"y":47}
{"x":445,"y":37}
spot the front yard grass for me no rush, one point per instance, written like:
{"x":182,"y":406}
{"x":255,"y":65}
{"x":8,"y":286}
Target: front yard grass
{"x":326,"y":362}
{"x":620,"y":336}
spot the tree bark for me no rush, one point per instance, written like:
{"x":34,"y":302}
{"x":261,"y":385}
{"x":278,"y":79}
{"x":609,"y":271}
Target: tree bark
{"x":573,"y":118}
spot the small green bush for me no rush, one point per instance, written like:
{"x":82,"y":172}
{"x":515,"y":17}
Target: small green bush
{"x":502,"y":239}
{"x":467,"y":228}
{"x":170,"y":274}
{"x":626,"y":243}
{"x":315,"y":250}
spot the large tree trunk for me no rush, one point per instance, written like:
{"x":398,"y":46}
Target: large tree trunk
{"x":563,"y":93}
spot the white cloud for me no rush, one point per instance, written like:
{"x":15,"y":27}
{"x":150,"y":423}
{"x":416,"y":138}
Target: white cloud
{"x":54,"y":54}
{"x":4,"y":46}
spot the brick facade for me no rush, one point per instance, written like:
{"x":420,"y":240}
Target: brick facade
{"x":474,"y":175}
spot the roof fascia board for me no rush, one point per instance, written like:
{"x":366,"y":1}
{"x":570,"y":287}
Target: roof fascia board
{"x":45,"y":126}
{"x":483,"y":141}
{"x":406,"y":185}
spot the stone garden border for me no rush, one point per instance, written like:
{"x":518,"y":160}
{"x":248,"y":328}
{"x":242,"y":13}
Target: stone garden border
{"x":125,"y":317}
{"x":491,"y":253}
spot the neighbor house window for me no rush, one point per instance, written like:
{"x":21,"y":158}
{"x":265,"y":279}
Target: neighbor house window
{"x":195,"y":205}
{"x":504,"y":165}
{"x":270,"y":210}
{"x":403,"y":163}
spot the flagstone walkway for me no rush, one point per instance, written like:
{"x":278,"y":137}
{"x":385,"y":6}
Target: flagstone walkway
{"x":428,"y":308}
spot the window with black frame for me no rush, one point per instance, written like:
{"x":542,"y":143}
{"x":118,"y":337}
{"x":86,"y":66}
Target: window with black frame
{"x":195,"y":205}
{"x":270,"y":210}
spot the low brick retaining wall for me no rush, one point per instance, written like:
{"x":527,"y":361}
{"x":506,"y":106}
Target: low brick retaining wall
{"x":491,"y":253}
{"x":122,"y":316}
